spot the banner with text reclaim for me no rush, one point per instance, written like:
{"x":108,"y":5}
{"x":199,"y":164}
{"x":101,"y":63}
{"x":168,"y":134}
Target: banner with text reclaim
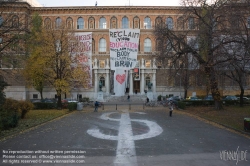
{"x":84,"y":52}
{"x":123,"y":48}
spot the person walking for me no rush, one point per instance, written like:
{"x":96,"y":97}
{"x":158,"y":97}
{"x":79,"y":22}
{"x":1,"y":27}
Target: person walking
{"x":96,"y":106}
{"x":171,"y":107}
{"x":128,"y":98}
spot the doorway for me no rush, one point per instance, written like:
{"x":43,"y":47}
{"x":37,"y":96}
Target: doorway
{"x":136,"y":87}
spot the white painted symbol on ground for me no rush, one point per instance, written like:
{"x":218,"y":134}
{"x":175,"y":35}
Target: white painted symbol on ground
{"x":125,"y":153}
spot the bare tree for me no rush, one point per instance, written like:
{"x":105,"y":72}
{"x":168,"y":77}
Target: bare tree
{"x":202,"y":31}
{"x":14,"y":19}
{"x":238,"y":68}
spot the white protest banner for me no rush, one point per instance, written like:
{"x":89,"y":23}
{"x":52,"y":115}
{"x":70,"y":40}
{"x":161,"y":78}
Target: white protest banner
{"x":83,"y":52}
{"x":123,"y":48}
{"x":119,"y":82}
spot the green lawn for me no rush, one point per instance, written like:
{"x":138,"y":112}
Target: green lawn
{"x":33,"y":118}
{"x":231,"y":116}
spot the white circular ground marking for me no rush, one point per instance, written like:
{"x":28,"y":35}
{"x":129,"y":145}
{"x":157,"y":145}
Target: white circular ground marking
{"x":125,"y":153}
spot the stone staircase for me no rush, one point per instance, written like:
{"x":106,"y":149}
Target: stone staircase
{"x":133,"y":98}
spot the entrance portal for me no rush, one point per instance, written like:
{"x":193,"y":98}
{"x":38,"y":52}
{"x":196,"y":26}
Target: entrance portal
{"x":136,"y":87}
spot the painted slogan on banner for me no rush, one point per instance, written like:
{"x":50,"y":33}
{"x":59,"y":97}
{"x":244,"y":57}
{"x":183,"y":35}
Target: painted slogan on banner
{"x":123,"y":48}
{"x":84,"y":52}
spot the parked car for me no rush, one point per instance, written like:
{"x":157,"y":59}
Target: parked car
{"x":35,"y":100}
{"x":175,"y":99}
{"x":209,"y":97}
{"x":193,"y":98}
{"x":69,"y":100}
{"x":246,"y":100}
{"x":230,"y":98}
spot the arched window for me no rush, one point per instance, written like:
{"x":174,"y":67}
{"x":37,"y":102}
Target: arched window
{"x":58,"y":22}
{"x":102,"y":80}
{"x":180,"y":23}
{"x":15,"y":21}
{"x":102,"y":45}
{"x":125,"y":23}
{"x":147,"y":23}
{"x":147,"y":45}
{"x":102,"y":24}
{"x":80,"y":23}
{"x":113,"y":23}
{"x":136,"y":23}
{"x":170,"y":23}
{"x":248,"y":22}
{"x":69,"y":23}
{"x":91,"y":23}
{"x":158,"y":45}
{"x":1,"y":20}
{"x":93,"y":46}
{"x":158,"y":21}
{"x":191,"y":23}
{"x":47,"y":23}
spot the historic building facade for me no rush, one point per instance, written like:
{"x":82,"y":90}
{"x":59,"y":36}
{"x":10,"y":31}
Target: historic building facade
{"x":98,"y":20}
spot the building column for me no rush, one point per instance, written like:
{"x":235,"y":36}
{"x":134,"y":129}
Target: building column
{"x":142,"y":82}
{"x":131,"y":82}
{"x":154,"y":81}
{"x":96,"y":82}
{"x":107,"y":82}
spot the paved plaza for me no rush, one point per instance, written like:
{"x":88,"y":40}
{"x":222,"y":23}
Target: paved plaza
{"x":126,"y":137}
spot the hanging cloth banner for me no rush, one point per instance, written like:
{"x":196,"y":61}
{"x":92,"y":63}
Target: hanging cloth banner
{"x":123,"y":48}
{"x":84,"y":52}
{"x":119,"y":82}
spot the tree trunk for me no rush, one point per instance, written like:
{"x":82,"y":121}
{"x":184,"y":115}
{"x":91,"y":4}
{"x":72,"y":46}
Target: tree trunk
{"x":41,"y":94}
{"x":241,"y":96}
{"x":185,"y":94}
{"x":214,"y":88}
{"x":59,"y":101}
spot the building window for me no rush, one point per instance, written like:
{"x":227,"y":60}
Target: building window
{"x":1,"y":78}
{"x":91,"y":23}
{"x":15,"y":22}
{"x":58,"y":22}
{"x":248,"y":22}
{"x":158,"y":45}
{"x":147,"y":45}
{"x":147,"y":23}
{"x":1,"y":20}
{"x":180,"y":23}
{"x":158,"y":21}
{"x":102,"y":45}
{"x":113,"y":23}
{"x":169,"y":47}
{"x":102,"y":23}
{"x":147,"y":63}
{"x":125,"y":23}
{"x":47,"y":23}
{"x":136,"y":23}
{"x":101,"y":64}
{"x":80,"y":23}
{"x":170,"y":23}
{"x":191,"y":23}
{"x":93,"y":46}
{"x":35,"y":96}
{"x":102,"y":80}
{"x":69,"y":23}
